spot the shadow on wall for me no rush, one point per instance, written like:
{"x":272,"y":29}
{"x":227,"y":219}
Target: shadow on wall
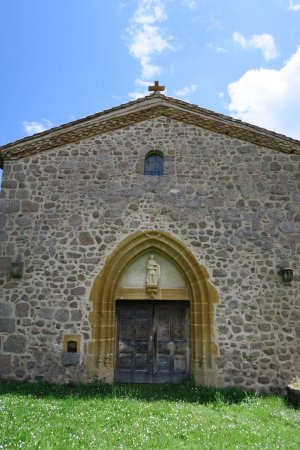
{"x":0,"y":178}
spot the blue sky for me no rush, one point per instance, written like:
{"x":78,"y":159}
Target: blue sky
{"x":64,"y":59}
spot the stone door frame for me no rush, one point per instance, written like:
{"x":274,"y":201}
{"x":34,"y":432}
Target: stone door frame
{"x":200,"y":292}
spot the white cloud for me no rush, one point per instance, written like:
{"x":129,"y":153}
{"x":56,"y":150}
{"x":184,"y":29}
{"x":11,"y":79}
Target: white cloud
{"x":294,"y":6}
{"x":36,"y":127}
{"x":186,"y":90}
{"x":263,"y":42}
{"x":143,"y":86}
{"x":217,"y":48}
{"x":269,"y":98}
{"x":146,"y":38}
{"x":239,"y":39}
{"x":214,"y":23}
{"x":136,"y":94}
{"x":191,"y":4}
{"x":221,"y":50}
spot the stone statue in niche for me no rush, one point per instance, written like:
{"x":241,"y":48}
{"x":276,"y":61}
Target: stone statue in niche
{"x":153,"y":272}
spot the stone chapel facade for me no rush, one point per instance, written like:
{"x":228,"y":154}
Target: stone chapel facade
{"x":150,"y":242}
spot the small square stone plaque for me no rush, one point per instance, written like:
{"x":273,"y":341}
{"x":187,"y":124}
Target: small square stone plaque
{"x":70,"y":359}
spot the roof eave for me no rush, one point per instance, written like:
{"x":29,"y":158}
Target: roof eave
{"x":143,"y":109}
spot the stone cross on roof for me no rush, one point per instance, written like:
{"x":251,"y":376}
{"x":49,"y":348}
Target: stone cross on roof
{"x":156,"y":88}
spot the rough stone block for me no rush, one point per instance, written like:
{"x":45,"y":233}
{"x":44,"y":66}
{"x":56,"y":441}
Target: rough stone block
{"x":46,"y":313}
{"x":73,"y":255}
{"x":50,"y":169}
{"x":9,"y":206}
{"x":76,"y":315}
{"x":3,"y":236}
{"x":29,"y":206}
{"x":20,"y":176}
{"x":7,"y":325}
{"x":22,"y":194}
{"x":274,"y":166}
{"x":286,"y":227}
{"x":9,"y":184}
{"x":85,"y":238}
{"x":23,"y":221}
{"x":68,"y":166}
{"x":49,"y":205}
{"x":5,"y":365}
{"x":80,"y":290}
{"x":5,"y":309}
{"x":263,"y":380}
{"x":22,"y":310}
{"x":15,"y":344}
{"x":62,"y":315}
{"x":2,"y":220}
{"x":75,"y":220}
{"x":219,"y":273}
{"x":246,"y":149}
{"x":5,"y":263}
{"x":264,"y":327}
{"x":237,"y":320}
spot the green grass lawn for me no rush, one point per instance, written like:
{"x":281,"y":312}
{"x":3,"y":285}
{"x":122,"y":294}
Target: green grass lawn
{"x":45,"y":416}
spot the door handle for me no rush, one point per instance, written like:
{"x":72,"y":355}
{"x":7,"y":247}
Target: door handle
{"x":151,"y":341}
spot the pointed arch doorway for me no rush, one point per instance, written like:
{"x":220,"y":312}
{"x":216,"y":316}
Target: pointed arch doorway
{"x":152,"y":341}
{"x":122,"y":282}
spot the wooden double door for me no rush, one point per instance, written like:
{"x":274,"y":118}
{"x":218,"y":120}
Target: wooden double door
{"x":152,"y":341}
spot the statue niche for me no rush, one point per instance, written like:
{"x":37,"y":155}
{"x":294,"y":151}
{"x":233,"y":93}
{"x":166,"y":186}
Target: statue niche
{"x":153,"y":276}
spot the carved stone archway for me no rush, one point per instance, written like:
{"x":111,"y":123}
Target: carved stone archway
{"x":200,"y":292}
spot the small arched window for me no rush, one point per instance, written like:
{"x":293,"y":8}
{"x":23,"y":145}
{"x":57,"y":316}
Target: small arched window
{"x":72,"y":346}
{"x":154,"y":164}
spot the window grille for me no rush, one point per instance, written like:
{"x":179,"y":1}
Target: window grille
{"x":154,"y":165}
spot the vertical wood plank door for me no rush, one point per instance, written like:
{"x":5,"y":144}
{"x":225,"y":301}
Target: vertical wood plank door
{"x":152,"y":341}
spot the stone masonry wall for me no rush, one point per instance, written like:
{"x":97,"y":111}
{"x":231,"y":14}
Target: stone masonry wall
{"x":235,"y":205}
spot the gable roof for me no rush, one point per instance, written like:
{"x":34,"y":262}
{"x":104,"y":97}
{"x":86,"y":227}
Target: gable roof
{"x":153,"y":105}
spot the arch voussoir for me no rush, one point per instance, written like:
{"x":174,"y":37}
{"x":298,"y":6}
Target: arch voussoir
{"x":202,"y":295}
